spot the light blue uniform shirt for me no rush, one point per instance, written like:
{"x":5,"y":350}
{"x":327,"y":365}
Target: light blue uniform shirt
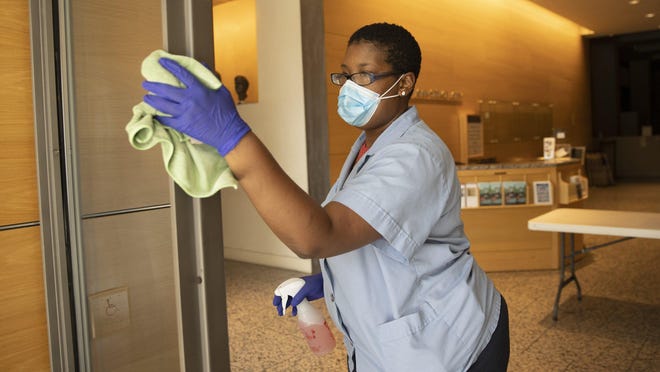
{"x":414,"y":300}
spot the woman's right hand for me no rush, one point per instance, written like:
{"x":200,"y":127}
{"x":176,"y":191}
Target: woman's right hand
{"x":312,"y":290}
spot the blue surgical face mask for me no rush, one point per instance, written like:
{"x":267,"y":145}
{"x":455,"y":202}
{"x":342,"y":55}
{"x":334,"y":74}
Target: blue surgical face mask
{"x":357,"y":104}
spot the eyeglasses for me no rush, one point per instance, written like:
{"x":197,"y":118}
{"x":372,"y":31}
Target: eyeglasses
{"x":359,"y":78}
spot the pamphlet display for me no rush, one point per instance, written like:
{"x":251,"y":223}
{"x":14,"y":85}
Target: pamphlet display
{"x":490,"y":193}
{"x":515,"y":192}
{"x":471,"y":195}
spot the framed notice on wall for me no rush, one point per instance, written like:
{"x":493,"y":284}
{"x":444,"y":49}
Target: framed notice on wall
{"x":475,"y":136}
{"x":542,"y":192}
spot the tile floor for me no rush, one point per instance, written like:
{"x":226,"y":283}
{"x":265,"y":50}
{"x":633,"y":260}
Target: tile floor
{"x":616,"y":326}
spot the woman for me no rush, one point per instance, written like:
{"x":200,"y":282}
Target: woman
{"x":397,"y":275}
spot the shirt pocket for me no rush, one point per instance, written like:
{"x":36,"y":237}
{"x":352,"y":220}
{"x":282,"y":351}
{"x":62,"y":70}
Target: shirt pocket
{"x":422,"y":341}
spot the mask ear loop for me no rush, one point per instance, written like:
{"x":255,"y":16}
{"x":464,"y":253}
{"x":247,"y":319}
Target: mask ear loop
{"x":383,"y":96}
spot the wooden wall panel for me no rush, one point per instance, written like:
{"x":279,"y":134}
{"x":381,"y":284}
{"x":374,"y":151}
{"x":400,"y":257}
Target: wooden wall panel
{"x":23,"y":333}
{"x":23,"y":328}
{"x":509,"y":51}
{"x":18,"y":191}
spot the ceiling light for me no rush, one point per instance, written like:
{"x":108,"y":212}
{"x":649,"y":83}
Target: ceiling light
{"x":633,"y":2}
{"x":649,"y":15}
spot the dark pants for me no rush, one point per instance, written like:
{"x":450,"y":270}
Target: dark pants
{"x":495,"y":357}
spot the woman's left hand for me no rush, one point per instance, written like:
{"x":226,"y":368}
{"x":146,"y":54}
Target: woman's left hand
{"x":205,"y":114}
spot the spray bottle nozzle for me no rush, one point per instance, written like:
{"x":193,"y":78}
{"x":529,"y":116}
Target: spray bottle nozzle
{"x":310,"y":320}
{"x":288,"y":288}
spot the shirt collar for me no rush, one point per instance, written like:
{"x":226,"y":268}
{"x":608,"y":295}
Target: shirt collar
{"x":398,"y":127}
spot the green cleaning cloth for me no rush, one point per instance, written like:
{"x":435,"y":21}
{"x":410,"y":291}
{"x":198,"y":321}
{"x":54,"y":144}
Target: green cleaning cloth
{"x":196,"y":167}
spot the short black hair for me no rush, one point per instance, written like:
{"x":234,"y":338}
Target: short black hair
{"x":400,"y":47}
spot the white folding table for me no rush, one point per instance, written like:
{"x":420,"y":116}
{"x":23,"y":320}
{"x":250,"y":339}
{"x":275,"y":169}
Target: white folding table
{"x":626,"y":224}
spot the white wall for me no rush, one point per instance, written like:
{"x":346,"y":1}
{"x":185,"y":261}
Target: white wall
{"x":279,"y":121}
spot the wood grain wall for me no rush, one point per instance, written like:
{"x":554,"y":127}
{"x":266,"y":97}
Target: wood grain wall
{"x":504,"y":50}
{"x":18,"y":177}
{"x":23,"y":333}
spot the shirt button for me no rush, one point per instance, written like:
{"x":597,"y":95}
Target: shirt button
{"x":332,"y":297}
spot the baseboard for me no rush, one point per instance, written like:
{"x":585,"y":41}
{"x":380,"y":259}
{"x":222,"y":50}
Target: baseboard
{"x":260,"y":258}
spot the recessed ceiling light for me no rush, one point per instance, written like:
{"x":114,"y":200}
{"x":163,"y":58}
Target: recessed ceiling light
{"x":649,"y":15}
{"x":633,"y":2}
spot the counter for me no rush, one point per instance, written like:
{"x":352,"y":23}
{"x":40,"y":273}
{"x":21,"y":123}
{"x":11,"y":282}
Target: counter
{"x":496,"y":224}
{"x":532,"y":163}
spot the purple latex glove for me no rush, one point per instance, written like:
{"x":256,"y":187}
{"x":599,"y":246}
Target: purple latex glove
{"x":312,"y":290}
{"x":207,"y":115}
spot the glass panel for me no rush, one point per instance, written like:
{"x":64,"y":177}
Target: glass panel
{"x":131,"y":255}
{"x":514,"y":122}
{"x":110,"y":40}
{"x":127,"y":248}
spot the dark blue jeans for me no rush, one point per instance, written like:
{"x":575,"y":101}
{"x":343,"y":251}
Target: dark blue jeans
{"x":495,"y":357}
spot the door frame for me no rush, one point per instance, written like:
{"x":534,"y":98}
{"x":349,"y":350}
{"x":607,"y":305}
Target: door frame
{"x":52,"y":208}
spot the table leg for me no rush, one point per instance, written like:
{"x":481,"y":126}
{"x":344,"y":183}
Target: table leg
{"x":577,"y":283}
{"x":562,"y":281}
{"x":555,"y":309}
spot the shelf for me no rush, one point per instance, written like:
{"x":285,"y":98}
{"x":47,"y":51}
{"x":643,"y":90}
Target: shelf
{"x":501,"y":190}
{"x":575,"y":190}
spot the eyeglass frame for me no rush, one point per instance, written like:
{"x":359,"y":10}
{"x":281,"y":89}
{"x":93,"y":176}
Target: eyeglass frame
{"x":372,"y":77}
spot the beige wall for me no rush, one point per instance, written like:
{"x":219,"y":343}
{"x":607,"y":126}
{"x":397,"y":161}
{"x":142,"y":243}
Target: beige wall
{"x":279,"y":120}
{"x":505,"y":50}
{"x":235,"y":41}
{"x":23,"y":333}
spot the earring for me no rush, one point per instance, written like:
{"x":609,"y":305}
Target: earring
{"x":403,"y":93}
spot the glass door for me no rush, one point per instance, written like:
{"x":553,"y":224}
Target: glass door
{"x":120,"y":195}
{"x":129,"y":255}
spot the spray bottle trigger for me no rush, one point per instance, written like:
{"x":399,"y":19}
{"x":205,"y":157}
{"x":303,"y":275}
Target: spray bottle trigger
{"x":285,"y":299}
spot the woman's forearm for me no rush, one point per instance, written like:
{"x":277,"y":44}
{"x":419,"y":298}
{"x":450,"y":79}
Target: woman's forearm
{"x":304,"y":226}
{"x":292,"y":214}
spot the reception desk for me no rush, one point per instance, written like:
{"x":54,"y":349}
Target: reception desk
{"x":497,"y":226}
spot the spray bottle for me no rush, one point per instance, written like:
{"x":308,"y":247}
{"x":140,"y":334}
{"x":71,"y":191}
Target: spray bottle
{"x":310,"y":320}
